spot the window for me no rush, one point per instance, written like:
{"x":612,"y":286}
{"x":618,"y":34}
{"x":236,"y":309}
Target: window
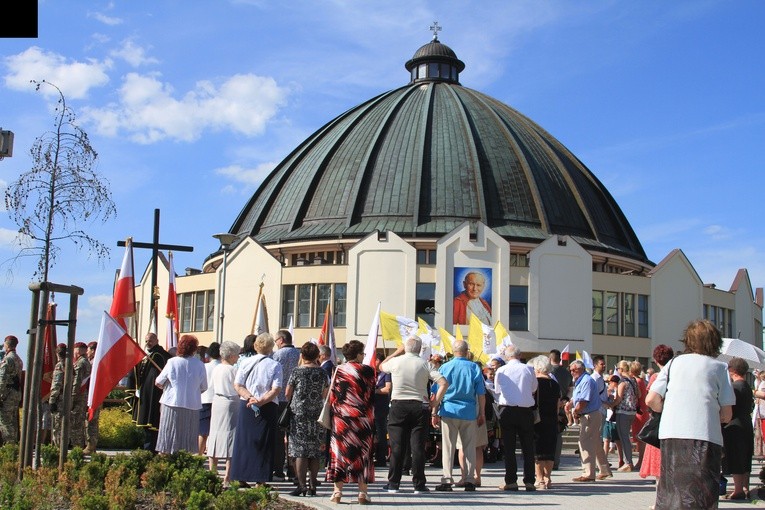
{"x":642,"y":316}
{"x":629,"y":314}
{"x":323,"y":295}
{"x":612,"y":313}
{"x":615,"y":313}
{"x":519,"y":306}
{"x":288,"y":304}
{"x":425,"y":302}
{"x":597,"y":312}
{"x":304,"y":307}
{"x":197,"y":310}
{"x":307,"y":304}
{"x":426,"y":257}
{"x":210,"y":310}
{"x":519,"y":260}
{"x":340,"y":305}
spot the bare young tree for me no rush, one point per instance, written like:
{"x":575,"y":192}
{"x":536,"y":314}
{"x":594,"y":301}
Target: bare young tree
{"x":50,"y":202}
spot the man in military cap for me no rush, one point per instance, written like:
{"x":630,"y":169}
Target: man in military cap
{"x":55,"y":399}
{"x":80,"y":383}
{"x":11,"y":370}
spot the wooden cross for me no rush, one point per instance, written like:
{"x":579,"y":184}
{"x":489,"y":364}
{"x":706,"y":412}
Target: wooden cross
{"x":155,"y":246}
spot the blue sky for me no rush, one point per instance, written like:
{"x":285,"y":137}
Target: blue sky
{"x":190,"y":104}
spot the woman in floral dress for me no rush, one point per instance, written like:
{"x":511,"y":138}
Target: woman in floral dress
{"x":305,"y":392}
{"x":353,"y":424}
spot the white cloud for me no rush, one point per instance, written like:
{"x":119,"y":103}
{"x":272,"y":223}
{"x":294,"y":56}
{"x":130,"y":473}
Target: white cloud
{"x":133,"y":54}
{"x":75,"y":79}
{"x":250,"y":177}
{"x":95,"y":307}
{"x":148,"y":111}
{"x":718,"y":232}
{"x":8,"y":237}
{"x":106,"y":20}
{"x":666,"y":231}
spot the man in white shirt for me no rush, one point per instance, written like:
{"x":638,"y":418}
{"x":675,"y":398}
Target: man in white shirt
{"x":515,"y":384}
{"x":409,"y":411}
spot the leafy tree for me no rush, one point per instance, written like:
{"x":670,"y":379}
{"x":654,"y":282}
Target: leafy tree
{"x":61,"y":191}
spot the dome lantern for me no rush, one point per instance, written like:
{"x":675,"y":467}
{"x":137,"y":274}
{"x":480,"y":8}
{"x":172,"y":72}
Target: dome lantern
{"x":435,"y":62}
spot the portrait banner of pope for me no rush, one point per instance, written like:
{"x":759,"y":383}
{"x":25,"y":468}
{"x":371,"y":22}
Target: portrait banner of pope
{"x":472,"y":294}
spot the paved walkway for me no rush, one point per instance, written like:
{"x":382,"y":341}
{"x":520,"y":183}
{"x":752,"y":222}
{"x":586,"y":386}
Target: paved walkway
{"x":624,"y":490}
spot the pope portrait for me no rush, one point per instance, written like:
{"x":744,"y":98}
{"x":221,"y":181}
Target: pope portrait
{"x":470,"y":300}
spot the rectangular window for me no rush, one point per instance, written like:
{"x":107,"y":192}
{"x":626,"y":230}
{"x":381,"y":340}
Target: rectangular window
{"x":597,"y":312}
{"x":199,"y":311}
{"x":340,"y":305}
{"x":323,"y":296}
{"x":288,"y":303}
{"x":519,"y":308}
{"x":210,"y":310}
{"x":629,"y":314}
{"x":642,"y":310}
{"x":731,"y":324}
{"x":186,"y":312}
{"x":422,"y":257}
{"x":425,"y":302}
{"x":303,"y":307}
{"x":612,"y":313}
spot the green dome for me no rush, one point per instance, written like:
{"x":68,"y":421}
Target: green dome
{"x":422,"y":159}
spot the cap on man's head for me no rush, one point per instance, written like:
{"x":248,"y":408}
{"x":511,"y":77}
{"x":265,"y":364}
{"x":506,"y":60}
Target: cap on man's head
{"x":80,"y":345}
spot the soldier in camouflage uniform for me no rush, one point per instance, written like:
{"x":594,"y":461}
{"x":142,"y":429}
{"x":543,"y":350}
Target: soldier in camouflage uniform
{"x":56,"y":399}
{"x":11,"y":370}
{"x":79,"y":414}
{"x":92,"y":430}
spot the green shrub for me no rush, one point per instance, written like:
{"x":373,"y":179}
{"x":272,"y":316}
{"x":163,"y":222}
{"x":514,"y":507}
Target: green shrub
{"x":135,"y":462}
{"x":121,"y":487}
{"x":233,"y":499}
{"x":183,"y":483}
{"x":49,"y":455}
{"x":200,"y":500}
{"x":157,"y":475}
{"x":92,"y":501}
{"x":116,"y":430}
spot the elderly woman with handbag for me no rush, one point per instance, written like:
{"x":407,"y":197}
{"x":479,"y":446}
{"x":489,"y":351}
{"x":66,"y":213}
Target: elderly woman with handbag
{"x":305,"y":393}
{"x":694,"y":403}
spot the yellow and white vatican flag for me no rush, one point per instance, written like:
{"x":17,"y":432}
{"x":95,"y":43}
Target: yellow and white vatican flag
{"x":587,"y":360}
{"x":430,"y":340}
{"x":446,"y":340}
{"x":481,"y":340}
{"x":503,"y":336}
{"x":458,"y":334}
{"x":397,"y":328}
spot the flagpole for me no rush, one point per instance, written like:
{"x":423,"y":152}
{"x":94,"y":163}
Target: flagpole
{"x":255,"y":317}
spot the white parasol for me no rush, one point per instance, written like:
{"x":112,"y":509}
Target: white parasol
{"x":736,"y":348}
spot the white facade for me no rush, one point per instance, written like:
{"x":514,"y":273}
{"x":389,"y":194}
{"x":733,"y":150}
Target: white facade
{"x":560,"y":279}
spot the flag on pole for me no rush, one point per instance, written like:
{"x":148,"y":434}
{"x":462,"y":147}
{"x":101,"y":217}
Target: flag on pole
{"x":578,"y":356}
{"x":370,"y":351}
{"x":503,"y":336}
{"x":327,"y":334}
{"x":49,"y":352}
{"x":291,"y":327}
{"x":172,"y":306}
{"x":587,"y":360}
{"x":481,"y":339}
{"x":123,"y":302}
{"x":261,"y":317}
{"x":446,"y":340}
{"x":397,"y":328}
{"x":431,"y":340}
{"x":115,"y":355}
{"x":564,"y":354}
{"x":458,"y":334}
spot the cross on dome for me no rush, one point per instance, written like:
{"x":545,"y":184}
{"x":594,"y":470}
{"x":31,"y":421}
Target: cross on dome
{"x":435,"y":28}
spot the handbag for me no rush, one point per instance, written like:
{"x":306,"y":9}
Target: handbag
{"x":649,"y":433}
{"x":325,"y":417}
{"x":285,"y":418}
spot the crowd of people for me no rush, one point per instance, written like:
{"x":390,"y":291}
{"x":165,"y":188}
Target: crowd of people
{"x":226,"y":402}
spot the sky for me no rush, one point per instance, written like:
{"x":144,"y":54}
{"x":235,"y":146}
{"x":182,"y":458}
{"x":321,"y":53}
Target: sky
{"x":190,"y":104}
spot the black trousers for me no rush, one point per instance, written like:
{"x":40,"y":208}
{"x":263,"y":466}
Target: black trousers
{"x":518,"y":421}
{"x":407,"y":426}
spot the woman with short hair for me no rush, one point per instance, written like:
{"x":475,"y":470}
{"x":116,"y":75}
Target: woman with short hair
{"x":546,"y":431}
{"x":696,"y":399}
{"x":258,"y":382}
{"x":305,"y":392}
{"x":225,"y":409}
{"x":738,"y":434}
{"x":182,"y":380}
{"x":353,"y":424}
